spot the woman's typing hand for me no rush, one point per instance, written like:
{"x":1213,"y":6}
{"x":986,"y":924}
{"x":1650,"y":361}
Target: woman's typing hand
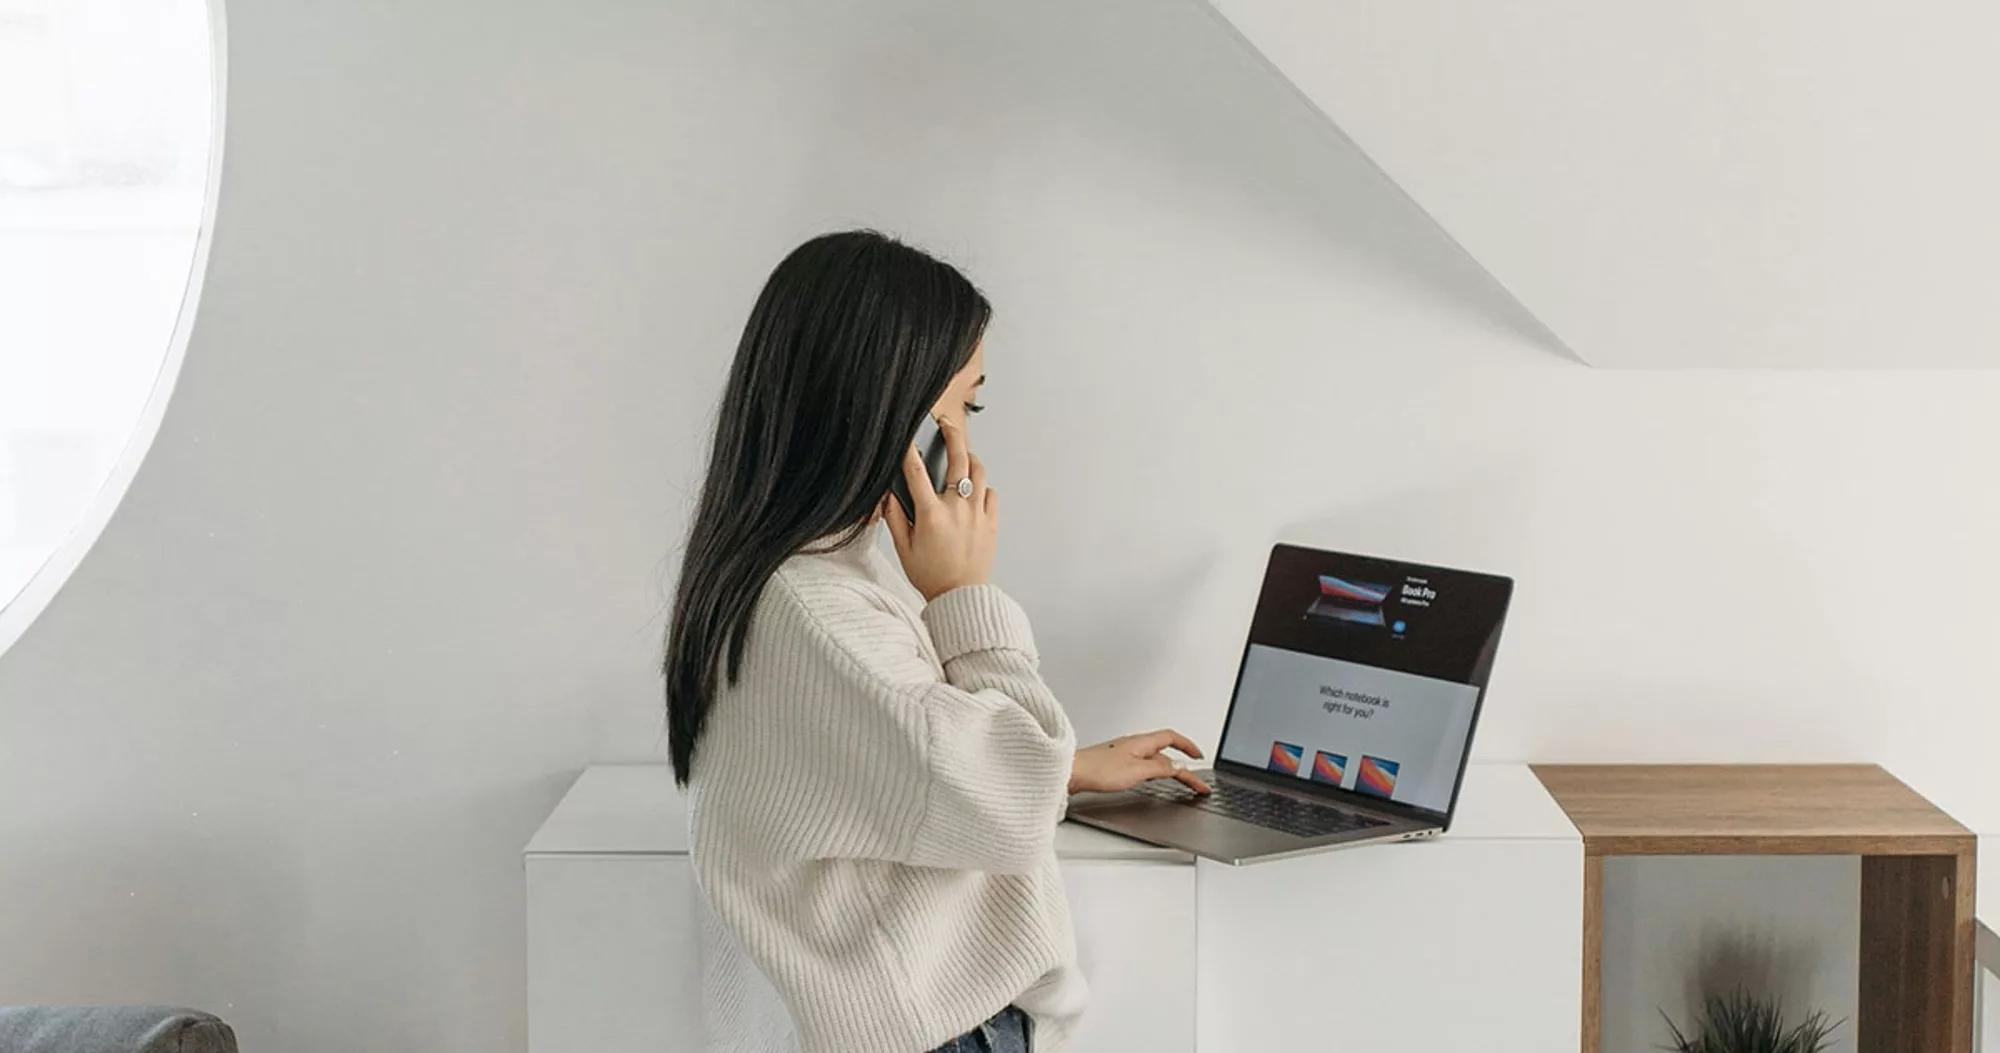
{"x":1123,"y":763}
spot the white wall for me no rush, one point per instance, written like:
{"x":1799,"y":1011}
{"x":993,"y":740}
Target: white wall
{"x":1794,"y":183}
{"x":393,"y":570}
{"x":1679,"y":929}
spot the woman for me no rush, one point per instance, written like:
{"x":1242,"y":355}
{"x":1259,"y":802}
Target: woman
{"x":874,"y":766}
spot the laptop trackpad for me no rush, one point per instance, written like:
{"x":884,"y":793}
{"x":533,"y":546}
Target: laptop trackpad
{"x":1180,"y":826}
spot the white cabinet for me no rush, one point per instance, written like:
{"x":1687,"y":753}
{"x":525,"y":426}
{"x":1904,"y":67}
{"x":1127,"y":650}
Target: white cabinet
{"x":614,"y":964}
{"x":615,"y":947}
{"x":614,"y":929}
{"x":1133,"y":908}
{"x":1471,"y":942}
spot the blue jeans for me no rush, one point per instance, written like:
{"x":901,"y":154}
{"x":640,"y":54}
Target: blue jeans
{"x":1007,"y":1032}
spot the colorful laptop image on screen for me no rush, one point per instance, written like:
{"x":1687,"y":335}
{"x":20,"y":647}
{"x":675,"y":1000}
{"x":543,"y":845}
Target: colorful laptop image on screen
{"x":1329,"y":768}
{"x":1285,"y":757}
{"x":1349,"y":601}
{"x":1378,"y":777}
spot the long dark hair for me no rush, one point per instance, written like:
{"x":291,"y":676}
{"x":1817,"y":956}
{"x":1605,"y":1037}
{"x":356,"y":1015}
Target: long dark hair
{"x":854,"y":338}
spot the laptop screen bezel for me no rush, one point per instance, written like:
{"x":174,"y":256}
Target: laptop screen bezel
{"x":1482,"y":673}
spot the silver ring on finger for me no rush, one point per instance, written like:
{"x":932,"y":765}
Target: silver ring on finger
{"x":964,"y":487}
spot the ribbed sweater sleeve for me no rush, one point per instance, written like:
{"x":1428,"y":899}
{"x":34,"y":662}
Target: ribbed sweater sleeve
{"x":999,"y":744}
{"x":975,"y":748}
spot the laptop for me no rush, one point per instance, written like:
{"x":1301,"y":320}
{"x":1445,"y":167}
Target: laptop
{"x":1352,"y":718}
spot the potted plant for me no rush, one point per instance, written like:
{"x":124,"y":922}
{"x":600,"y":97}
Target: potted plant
{"x":1742,"y":1023}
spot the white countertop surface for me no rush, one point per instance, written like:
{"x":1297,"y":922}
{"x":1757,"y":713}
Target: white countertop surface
{"x":617,"y":809}
{"x":634,"y":809}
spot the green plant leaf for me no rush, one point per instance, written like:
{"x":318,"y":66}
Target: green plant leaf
{"x":1742,"y":1023}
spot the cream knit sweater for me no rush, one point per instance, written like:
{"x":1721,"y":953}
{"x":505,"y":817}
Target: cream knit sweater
{"x":873,"y":809}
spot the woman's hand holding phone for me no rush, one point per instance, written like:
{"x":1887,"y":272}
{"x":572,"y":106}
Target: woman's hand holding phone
{"x":951,"y":544}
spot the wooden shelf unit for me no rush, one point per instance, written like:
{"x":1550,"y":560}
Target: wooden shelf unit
{"x":1917,"y":873}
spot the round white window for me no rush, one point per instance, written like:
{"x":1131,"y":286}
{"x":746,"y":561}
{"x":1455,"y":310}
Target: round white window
{"x":106,"y":130}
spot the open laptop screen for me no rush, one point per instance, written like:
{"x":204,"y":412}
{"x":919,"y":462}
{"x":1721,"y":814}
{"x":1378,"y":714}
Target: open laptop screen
{"x":1365,"y":674}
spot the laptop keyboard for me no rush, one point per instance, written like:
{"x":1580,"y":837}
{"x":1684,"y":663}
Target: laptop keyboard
{"x":1273,"y":811}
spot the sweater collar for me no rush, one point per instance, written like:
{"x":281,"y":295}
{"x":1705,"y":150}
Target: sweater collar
{"x":856,"y":552}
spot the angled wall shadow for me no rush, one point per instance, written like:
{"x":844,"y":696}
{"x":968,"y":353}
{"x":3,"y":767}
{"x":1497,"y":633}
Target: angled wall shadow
{"x":1172,"y":83}
{"x":1518,"y":318}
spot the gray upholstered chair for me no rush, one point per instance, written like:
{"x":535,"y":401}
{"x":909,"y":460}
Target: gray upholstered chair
{"x":112,"y":1029}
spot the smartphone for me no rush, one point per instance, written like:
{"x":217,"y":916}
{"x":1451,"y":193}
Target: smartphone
{"x":929,"y":443}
